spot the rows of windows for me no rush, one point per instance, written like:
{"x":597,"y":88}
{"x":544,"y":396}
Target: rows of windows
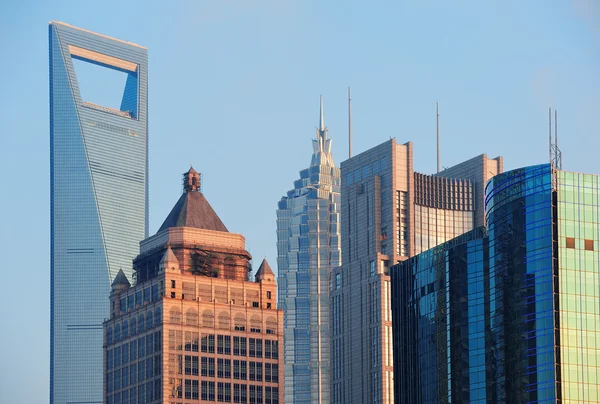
{"x":134,"y":325}
{"x":223,"y":368}
{"x":240,"y":346}
{"x":222,"y":320}
{"x":144,"y":393}
{"x":223,"y":392}
{"x":145,"y":345}
{"x":140,"y":297}
{"x":135,"y":373}
{"x":359,"y":174}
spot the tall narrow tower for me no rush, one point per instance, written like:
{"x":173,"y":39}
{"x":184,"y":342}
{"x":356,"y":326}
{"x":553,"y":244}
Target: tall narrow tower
{"x":308,"y":247}
{"x":98,"y":202}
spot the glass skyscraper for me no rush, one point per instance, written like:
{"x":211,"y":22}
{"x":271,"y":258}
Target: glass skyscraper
{"x":507,"y":314}
{"x":390,"y":213}
{"x":98,"y":202}
{"x":308,"y":247}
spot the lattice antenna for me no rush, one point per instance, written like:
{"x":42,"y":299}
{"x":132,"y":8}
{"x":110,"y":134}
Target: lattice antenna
{"x":555,"y":153}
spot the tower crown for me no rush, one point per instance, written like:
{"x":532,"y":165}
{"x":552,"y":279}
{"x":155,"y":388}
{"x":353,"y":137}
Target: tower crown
{"x":192,"y":209}
{"x":191,"y":180}
{"x":322,"y":145}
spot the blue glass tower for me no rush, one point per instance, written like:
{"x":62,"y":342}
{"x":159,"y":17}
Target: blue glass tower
{"x":507,"y":314}
{"x":308,"y":247}
{"x":98,"y":202}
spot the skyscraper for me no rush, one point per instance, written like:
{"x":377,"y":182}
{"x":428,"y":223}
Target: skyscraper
{"x":308,"y":247}
{"x":389,"y":213}
{"x":194,"y":328}
{"x":509,"y":315}
{"x":98,"y":202}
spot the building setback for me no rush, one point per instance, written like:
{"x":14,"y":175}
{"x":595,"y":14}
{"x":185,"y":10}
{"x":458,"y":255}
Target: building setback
{"x":511,"y":314}
{"x":194,"y":328}
{"x":98,"y":201}
{"x":389,"y":213}
{"x":308,"y":247}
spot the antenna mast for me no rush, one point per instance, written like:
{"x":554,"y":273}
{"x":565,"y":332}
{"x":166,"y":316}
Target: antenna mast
{"x":349,"y":124}
{"x":555,"y":153}
{"x":437,"y":112}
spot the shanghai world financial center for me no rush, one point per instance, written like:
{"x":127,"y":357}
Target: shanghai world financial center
{"x":99,"y":201}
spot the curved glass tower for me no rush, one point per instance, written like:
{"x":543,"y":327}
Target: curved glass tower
{"x":511,"y":314}
{"x":99,"y":202}
{"x":308,"y":247}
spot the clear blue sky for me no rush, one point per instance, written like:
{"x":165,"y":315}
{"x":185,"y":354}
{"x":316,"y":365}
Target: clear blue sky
{"x":234,"y":87}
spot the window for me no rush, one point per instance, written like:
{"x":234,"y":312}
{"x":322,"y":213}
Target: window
{"x":338,"y":281}
{"x":141,"y":324}
{"x":274,"y":350}
{"x":224,"y":392}
{"x":589,"y":245}
{"x":172,"y":283}
{"x":224,"y":344}
{"x":191,"y":389}
{"x":268,"y":305}
{"x":271,"y":395}
{"x":239,"y":322}
{"x":208,"y":391}
{"x":268,"y":294}
{"x":208,"y":367}
{"x":239,"y":370}
{"x":208,"y":344}
{"x":239,"y":346}
{"x":239,"y":393}
{"x":570,"y":242}
{"x":191,"y":365}
{"x":149,"y":320}
{"x":256,"y":394}
{"x":255,"y":373}
{"x":271,"y":372}
{"x":254,"y":304}
{"x":224,"y":368}
{"x":372,"y":268}
{"x":255,"y":348}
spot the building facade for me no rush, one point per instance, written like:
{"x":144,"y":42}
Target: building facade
{"x":389,"y":214}
{"x":308,"y":247}
{"x":194,"y":328}
{"x":509,"y":314}
{"x":98,"y":201}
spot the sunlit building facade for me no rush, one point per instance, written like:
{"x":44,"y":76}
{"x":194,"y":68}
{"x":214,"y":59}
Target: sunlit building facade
{"x":99,"y":201}
{"x":389,"y":213}
{"x":194,"y":327}
{"x":308,"y":247}
{"x":509,"y":313}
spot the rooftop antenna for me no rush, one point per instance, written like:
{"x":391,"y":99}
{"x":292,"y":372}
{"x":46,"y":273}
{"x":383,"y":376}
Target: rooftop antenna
{"x":550,"y":134}
{"x":555,"y":153}
{"x":437,"y":112}
{"x":349,"y":124}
